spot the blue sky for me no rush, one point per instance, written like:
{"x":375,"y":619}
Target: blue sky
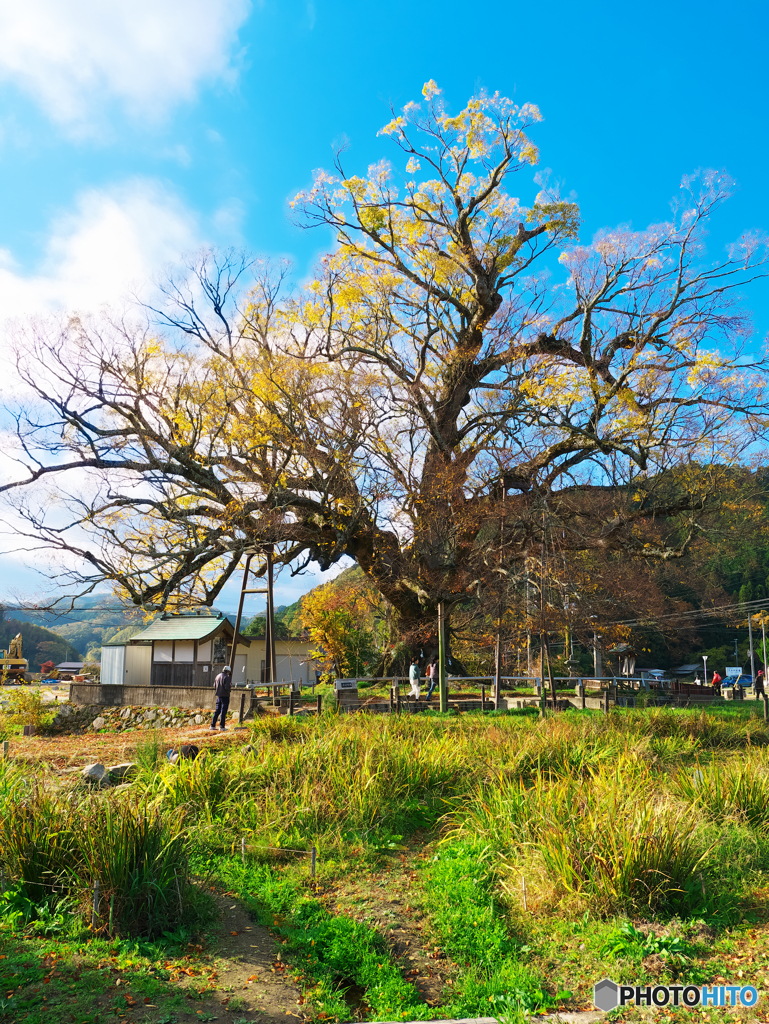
{"x":133,"y":131}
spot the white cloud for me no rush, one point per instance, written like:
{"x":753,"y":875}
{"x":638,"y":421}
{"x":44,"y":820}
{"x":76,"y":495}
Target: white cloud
{"x":74,"y":56}
{"x":112,"y":240}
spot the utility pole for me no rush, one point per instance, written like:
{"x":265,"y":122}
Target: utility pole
{"x":442,"y":657}
{"x":750,"y":643}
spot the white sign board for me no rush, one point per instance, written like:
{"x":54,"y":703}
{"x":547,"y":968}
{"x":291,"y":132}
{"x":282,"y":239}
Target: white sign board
{"x":345,"y":684}
{"x":733,"y":670}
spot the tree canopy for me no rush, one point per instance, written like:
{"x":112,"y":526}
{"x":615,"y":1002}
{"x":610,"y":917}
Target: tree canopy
{"x":461,"y":379}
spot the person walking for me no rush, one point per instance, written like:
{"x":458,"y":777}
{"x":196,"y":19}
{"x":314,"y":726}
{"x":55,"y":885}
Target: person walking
{"x":717,"y":680}
{"x":414,"y":677}
{"x":222,"y":687}
{"x":758,"y":686}
{"x":433,"y":674}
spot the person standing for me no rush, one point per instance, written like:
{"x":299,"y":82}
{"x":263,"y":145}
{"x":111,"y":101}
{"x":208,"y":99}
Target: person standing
{"x":433,"y":674}
{"x":414,"y":677}
{"x":222,"y":687}
{"x":717,"y":680}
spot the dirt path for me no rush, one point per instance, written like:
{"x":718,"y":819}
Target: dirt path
{"x":246,"y":980}
{"x":383,"y":900}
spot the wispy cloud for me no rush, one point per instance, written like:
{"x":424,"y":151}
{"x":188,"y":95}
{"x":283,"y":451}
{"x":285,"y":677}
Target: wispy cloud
{"x":75,"y":57}
{"x":109,"y":241}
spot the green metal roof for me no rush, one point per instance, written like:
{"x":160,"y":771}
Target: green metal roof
{"x":186,"y":627}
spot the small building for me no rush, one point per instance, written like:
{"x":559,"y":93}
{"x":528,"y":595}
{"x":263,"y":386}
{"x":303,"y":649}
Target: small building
{"x":626,"y":658}
{"x":70,"y":666}
{"x":188,"y":650}
{"x":688,"y":670}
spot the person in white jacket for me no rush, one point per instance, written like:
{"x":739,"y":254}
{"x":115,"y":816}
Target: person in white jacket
{"x":414,"y":678}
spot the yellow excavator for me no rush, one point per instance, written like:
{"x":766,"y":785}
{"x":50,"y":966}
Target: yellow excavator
{"x":13,"y":665}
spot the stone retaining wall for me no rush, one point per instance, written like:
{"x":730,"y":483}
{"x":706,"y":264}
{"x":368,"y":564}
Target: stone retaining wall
{"x":152,"y":696}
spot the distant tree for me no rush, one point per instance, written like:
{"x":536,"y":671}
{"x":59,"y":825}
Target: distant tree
{"x":337,"y":624}
{"x":258,"y":625}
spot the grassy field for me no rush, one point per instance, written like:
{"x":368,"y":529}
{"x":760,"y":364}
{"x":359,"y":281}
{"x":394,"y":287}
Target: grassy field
{"x":473,"y":865}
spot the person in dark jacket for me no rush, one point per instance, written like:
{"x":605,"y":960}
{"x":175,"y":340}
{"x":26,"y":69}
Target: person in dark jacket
{"x":222,"y":687}
{"x":758,"y":685}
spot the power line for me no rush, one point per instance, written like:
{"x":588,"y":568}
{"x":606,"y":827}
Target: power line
{"x":746,"y":607}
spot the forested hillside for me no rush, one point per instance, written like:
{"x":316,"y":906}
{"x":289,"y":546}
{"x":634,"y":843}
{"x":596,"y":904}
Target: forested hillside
{"x":38,"y":643}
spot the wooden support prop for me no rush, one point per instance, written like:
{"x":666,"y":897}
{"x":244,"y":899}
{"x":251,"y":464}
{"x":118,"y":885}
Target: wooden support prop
{"x":242,"y":712}
{"x":6,"y":747}
{"x":318,"y":702}
{"x":443,"y":689}
{"x":313,"y":855}
{"x":498,"y":673}
{"x":112,"y":905}
{"x":606,"y":701}
{"x":766,"y":707}
{"x":291,"y":701}
{"x":243,"y":850}
{"x":483,"y":697}
{"x":392,"y":702}
{"x":523,"y":885}
{"x":582,"y":692}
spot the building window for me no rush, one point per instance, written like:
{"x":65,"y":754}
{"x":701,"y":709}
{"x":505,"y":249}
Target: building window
{"x":163,"y":650}
{"x":184,"y":650}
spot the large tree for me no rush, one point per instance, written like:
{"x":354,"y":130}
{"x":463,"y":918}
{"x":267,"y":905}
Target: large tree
{"x":460,"y":382}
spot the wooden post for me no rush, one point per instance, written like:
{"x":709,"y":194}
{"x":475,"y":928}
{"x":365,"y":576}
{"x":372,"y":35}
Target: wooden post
{"x":442,"y":657}
{"x":291,"y":701}
{"x":606,"y":701}
{"x":397,"y":696}
{"x":582,"y":692}
{"x":391,"y":698}
{"x":766,"y":706}
{"x":313,"y":854}
{"x":318,"y":700}
{"x":483,"y":697}
{"x":242,"y":712}
{"x":95,"y":908}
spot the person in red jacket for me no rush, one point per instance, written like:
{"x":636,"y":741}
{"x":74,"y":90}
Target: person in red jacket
{"x":717,"y":680}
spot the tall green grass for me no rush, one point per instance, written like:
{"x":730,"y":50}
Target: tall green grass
{"x":55,"y":846}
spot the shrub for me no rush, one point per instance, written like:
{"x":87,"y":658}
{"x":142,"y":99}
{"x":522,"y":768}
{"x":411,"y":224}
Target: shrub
{"x":735,"y":788}
{"x":26,"y":707}
{"x":52,"y":847}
